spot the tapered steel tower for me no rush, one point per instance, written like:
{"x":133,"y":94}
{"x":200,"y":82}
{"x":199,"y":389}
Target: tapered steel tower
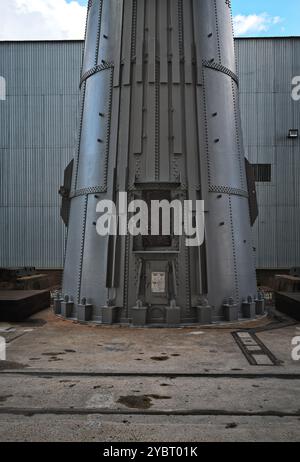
{"x":159,"y":120}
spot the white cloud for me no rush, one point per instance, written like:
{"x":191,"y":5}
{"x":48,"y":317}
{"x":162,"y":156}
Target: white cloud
{"x":41,"y":20}
{"x":254,"y":23}
{"x":58,"y":19}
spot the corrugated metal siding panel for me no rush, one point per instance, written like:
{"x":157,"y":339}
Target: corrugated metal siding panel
{"x":266,"y":68}
{"x":38,"y":134}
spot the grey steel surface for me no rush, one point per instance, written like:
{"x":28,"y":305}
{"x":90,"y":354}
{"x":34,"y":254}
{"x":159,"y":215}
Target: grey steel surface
{"x":38,"y":130}
{"x":160,"y":111}
{"x":266,"y":70}
{"x":38,"y":123}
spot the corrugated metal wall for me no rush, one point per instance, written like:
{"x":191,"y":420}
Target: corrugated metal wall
{"x":38,"y":133}
{"x":266,"y":70}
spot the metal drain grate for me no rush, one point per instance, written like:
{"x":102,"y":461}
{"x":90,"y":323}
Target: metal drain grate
{"x":255,"y":351}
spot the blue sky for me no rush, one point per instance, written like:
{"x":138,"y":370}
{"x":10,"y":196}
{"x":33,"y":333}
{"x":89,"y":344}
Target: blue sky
{"x":287,"y":12}
{"x":273,"y":17}
{"x":65,"y":19}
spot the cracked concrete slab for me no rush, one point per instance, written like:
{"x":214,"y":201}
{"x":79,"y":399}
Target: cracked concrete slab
{"x":69,"y":382}
{"x":231,"y":395}
{"x":142,"y":428}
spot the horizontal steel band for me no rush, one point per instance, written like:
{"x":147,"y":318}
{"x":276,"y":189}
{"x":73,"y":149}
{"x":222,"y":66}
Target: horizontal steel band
{"x":228,"y":190}
{"x":94,"y":70}
{"x":156,"y":186}
{"x":221,"y":68}
{"x":87,"y":191}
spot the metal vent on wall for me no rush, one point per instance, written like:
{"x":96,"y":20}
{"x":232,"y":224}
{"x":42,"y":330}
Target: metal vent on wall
{"x":262,"y":172}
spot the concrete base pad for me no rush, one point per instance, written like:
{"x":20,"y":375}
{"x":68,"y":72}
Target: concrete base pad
{"x":289,"y":303}
{"x":67,"y":381}
{"x":17,"y":305}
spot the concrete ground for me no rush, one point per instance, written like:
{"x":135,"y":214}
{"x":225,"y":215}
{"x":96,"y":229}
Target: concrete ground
{"x":63,"y":381}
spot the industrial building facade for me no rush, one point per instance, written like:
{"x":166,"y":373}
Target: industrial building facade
{"x":39,"y":109}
